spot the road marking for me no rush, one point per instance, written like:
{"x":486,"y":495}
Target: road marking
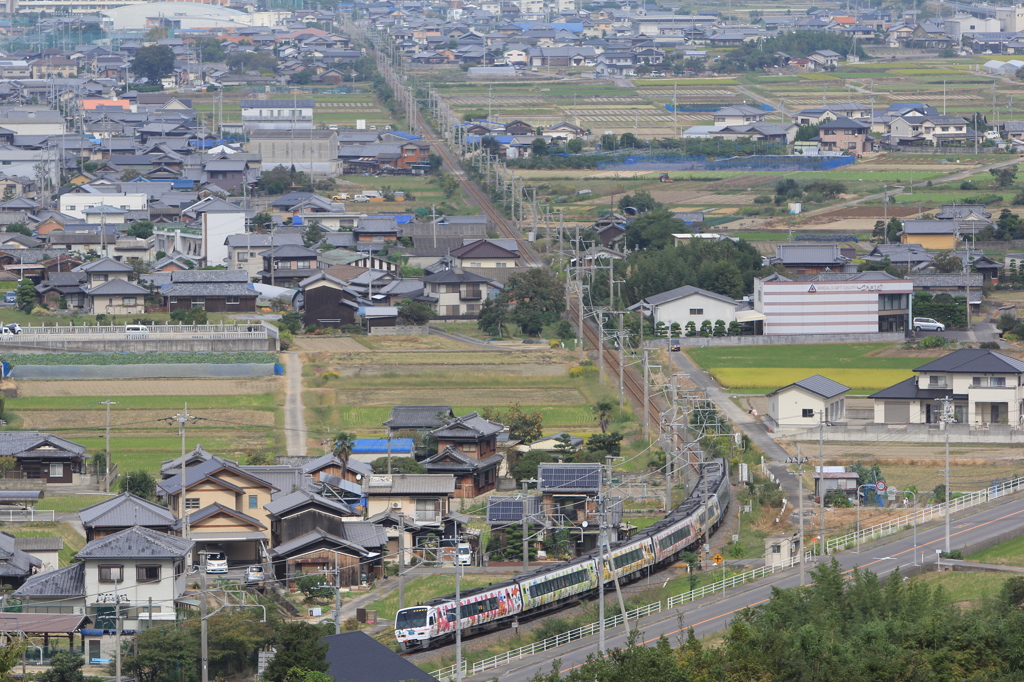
{"x":757,"y":603}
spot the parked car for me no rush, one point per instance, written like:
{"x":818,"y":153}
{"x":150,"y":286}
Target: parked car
{"x":674,"y":345}
{"x":927,"y":324}
{"x":254,"y":575}
{"x":10,"y":297}
{"x":14,"y":327}
{"x":216,"y":560}
{"x":6,"y":334}
{"x":463,"y":554}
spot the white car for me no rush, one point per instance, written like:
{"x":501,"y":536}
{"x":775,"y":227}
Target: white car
{"x":216,"y":560}
{"x":927,"y":324}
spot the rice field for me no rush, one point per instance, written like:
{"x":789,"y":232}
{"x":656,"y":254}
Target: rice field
{"x":769,"y":379}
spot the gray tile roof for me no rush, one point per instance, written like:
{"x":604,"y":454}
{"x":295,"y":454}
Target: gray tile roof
{"x":364,"y":533}
{"x":470,"y":425}
{"x":974,"y":360}
{"x":414,"y":417}
{"x":217,"y":507}
{"x":944,"y":280}
{"x":457,"y":460}
{"x":353,"y":656}
{"x":241,"y":289}
{"x":39,"y":544}
{"x":484,"y":248}
{"x":193,"y":276}
{"x":683,"y":292}
{"x":929,"y":227}
{"x":23,"y":443}
{"x":818,"y":385}
{"x":117,"y":287}
{"x":810,"y":253}
{"x":316,"y":535}
{"x":125,"y":510}
{"x":287,"y":479}
{"x":208,"y":468}
{"x":104,"y":265}
{"x":13,"y":561}
{"x":260,"y":241}
{"x":64,"y":582}
{"x":410,"y":484}
{"x":137,"y":543}
{"x":304,"y":497}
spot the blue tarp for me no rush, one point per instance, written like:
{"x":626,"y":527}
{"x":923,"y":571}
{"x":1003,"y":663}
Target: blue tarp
{"x":374,"y":446}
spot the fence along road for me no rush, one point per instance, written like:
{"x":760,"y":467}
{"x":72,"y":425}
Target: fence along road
{"x":1004,"y":517}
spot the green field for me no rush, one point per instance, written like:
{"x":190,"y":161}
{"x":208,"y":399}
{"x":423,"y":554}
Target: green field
{"x":849,"y":363}
{"x":1009,"y":553}
{"x":424,"y":588}
{"x":73,"y":541}
{"x":966,"y":586}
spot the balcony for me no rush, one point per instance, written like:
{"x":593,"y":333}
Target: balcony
{"x":471,"y":295}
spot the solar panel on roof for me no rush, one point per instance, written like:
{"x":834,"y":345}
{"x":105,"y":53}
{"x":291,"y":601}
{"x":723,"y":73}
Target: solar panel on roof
{"x":504,"y":510}
{"x":570,"y":478}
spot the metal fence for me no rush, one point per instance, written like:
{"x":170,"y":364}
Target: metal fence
{"x":543,"y":645}
{"x":26,"y":515}
{"x":730,"y":581}
{"x":966,"y":501}
{"x":258,"y":330}
{"x":763,"y":162}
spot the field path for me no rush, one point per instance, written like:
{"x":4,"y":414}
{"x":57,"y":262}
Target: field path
{"x":294,"y":419}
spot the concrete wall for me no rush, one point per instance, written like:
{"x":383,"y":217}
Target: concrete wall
{"x":913,"y":433}
{"x":776,"y":339}
{"x":155,"y":343}
{"x":411,"y":330}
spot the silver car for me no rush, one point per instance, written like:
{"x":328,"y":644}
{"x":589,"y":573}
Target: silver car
{"x":927,"y":324}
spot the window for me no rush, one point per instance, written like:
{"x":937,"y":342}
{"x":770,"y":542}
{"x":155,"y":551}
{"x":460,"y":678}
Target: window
{"x":501,"y":265}
{"x":111,"y":573}
{"x":474,"y":265}
{"x":174,"y":299}
{"x":147,"y":574}
{"x":231,"y":300}
{"x":851,"y":145}
{"x":99,"y":278}
{"x":936,"y":381}
{"x":128,"y":301}
{"x":191,"y":503}
{"x":198,"y":302}
{"x":254,"y":502}
{"x":807,"y":414}
{"x":56,"y":469}
{"x":997,"y":382}
{"x":242,"y":257}
{"x":303,"y":265}
{"x":696,"y":311}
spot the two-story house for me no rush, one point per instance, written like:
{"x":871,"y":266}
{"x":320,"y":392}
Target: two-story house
{"x":467,"y":448}
{"x":287,"y":266}
{"x":124,"y":511}
{"x":139,"y":570}
{"x":985,"y":387}
{"x":738,"y":115}
{"x":459,"y":293}
{"x":845,"y":135}
{"x":934,"y":130}
{"x":486,"y":253}
{"x":216,"y":291}
{"x":244,"y":250}
{"x":49,"y":459}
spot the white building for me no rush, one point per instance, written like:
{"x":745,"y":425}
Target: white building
{"x":804,"y":403}
{"x":74,"y":204}
{"x":277,"y":114}
{"x":961,"y":24}
{"x":689,"y":304}
{"x":861,"y":303}
{"x":175,"y":15}
{"x":985,"y":387}
{"x":219,"y":219}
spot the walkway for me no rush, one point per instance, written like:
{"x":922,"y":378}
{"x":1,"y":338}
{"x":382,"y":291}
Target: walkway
{"x":294,"y":417}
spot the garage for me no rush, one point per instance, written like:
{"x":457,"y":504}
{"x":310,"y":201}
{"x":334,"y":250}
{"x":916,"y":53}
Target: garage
{"x":897,"y":411}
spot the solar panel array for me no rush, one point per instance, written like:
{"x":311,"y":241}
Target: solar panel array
{"x":570,"y":477}
{"x":510,"y":509}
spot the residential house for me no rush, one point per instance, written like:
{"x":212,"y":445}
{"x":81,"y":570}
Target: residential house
{"x":935,"y":130}
{"x":985,"y":388}
{"x":244,"y":250}
{"x":555,"y":443}
{"x":825,"y":59}
{"x":486,"y":253}
{"x":909,"y":257}
{"x":459,"y":293}
{"x":16,"y":565}
{"x":215,"y":291}
{"x":970,"y":217}
{"x":687,"y":304}
{"x":46,"y":549}
{"x":805,"y":403}
{"x":302,"y":511}
{"x":614,"y":64}
{"x":418,"y":418}
{"x":48,"y":459}
{"x":833,"y":111}
{"x":424,"y":498}
{"x":467,"y":448}
{"x":564,"y":131}
{"x":142,"y":570}
{"x":845,"y":135}
{"x":968,"y":285}
{"x":810,"y":259}
{"x":357,"y":555}
{"x":324,"y":304}
{"x":931,"y":234}
{"x":277,"y":114}
{"x":116,"y":297}
{"x":739,"y":114}
{"x":289,"y":265}
{"x":124,"y":511}
{"x":243,"y":537}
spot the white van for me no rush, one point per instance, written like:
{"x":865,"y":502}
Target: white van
{"x":463,"y":554}
{"x":136,"y":331}
{"x":216,"y":559}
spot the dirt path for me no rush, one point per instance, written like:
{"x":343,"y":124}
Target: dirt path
{"x":50,"y":389}
{"x":333,"y":345}
{"x":294,"y":419}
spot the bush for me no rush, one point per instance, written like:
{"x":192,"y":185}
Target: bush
{"x":932,"y":342}
{"x":762,"y":199}
{"x":583,"y":372}
{"x":314,"y":587}
{"x":989,"y":345}
{"x":39,"y":311}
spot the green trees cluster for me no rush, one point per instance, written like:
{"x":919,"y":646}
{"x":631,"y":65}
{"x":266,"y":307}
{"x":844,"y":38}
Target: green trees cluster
{"x":724,"y":267}
{"x":154,"y":63}
{"x":530,"y":300}
{"x":858,"y":630}
{"x":947,"y":309}
{"x":754,"y":56}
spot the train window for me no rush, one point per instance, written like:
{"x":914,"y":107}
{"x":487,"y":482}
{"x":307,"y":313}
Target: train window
{"x":674,"y":537}
{"x":557,"y":583}
{"x":628,"y":558}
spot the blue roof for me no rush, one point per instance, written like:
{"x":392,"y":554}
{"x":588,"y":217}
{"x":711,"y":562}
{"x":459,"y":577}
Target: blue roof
{"x":366,"y":446}
{"x":405,"y":136}
{"x":400,"y":218}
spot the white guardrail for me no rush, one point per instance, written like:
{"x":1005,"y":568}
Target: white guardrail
{"x":243,"y":331}
{"x":967,"y":501}
{"x":27,"y":515}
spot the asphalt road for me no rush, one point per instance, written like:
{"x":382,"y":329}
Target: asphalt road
{"x":712,"y":615}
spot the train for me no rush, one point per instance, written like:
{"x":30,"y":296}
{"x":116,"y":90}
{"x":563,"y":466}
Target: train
{"x":533,"y":593}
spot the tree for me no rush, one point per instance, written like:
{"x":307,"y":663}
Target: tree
{"x":153,"y":62}
{"x":574,"y":146}
{"x":641,"y":200}
{"x":449,"y":185}
{"x":563,"y":446}
{"x":630,"y":140}
{"x":1005,"y":177}
{"x":603,"y":410}
{"x":25,"y":296}
{"x":299,"y":645}
{"x":261,"y":222}
{"x":494,"y":316}
{"x":65,"y":666}
{"x":539,"y":147}
{"x":313,"y":234}
{"x":538,"y":298}
{"x":343,"y":444}
{"x":210,"y":49}
{"x":302,"y":77}
{"x":19,"y":228}
{"x":606,"y":443}
{"x":888,"y":232}
{"x":414,"y":312}
{"x":526,"y":467}
{"x":140,"y":484}
{"x":307,"y":675}
{"x":190,"y":316}
{"x":291,"y":321}
{"x":947,"y":262}
{"x":525,"y":427}
{"x":653,"y":229}
{"x":399,"y":465}
{"x":130,"y":175}
{"x":806,"y":132}
{"x":141,"y":229}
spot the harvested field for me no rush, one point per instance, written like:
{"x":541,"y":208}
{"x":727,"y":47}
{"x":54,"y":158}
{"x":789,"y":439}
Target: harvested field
{"x":43,"y":420}
{"x":183,"y":387}
{"x":330,"y":345}
{"x":347,"y":370}
{"x":465,"y":396}
{"x":497,"y":360}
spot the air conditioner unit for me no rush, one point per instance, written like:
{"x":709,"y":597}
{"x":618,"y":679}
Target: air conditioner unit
{"x":396,"y":505}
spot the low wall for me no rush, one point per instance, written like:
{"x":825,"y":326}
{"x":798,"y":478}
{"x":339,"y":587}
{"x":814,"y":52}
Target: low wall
{"x":781,"y":339}
{"x":911,"y":433}
{"x":154,"y":343}
{"x":411,"y":330}
{"x":154,"y":371}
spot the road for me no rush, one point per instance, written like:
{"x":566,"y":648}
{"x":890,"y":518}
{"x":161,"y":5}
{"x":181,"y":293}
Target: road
{"x":294,"y":419}
{"x":707,"y":617}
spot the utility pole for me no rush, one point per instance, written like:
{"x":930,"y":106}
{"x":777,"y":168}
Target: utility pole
{"x":821,"y":481}
{"x":602,"y":541}
{"x":106,"y":468}
{"x":947,"y":419}
{"x":458,"y":621}
{"x":401,"y":561}
{"x":337,"y":596}
{"x":204,"y":634}
{"x":526,"y":525}
{"x":799,"y":461}
{"x":183,"y":419}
